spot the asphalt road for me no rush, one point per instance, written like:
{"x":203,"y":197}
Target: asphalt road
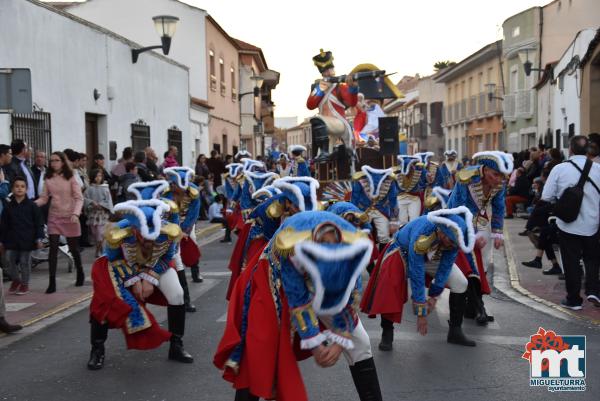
{"x":50,"y":364}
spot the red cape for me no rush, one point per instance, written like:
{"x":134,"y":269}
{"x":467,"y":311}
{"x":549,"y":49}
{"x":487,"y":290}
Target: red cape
{"x":386,"y":292}
{"x":268,"y":366}
{"x":108,"y":306}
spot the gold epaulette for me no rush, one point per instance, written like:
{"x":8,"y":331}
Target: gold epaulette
{"x":173,"y":231}
{"x":430,"y":202}
{"x":173,"y":208}
{"x":225,"y":176}
{"x":287,"y":238}
{"x":465,"y":175}
{"x":275,"y":210}
{"x":358,"y":175}
{"x":194,"y":193}
{"x":115,"y":235}
{"x":300,"y":159}
{"x":423,"y":243}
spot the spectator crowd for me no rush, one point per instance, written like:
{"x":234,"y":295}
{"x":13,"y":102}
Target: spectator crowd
{"x":64,"y":199}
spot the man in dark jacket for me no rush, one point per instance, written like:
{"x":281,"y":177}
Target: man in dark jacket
{"x":18,"y":167}
{"x":216,"y":166}
{"x":140,"y":161}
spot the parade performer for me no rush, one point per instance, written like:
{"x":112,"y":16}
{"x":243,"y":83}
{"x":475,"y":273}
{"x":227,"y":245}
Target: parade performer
{"x":375,"y":192}
{"x":286,"y":197}
{"x":448,"y":169}
{"x":359,"y":219}
{"x":298,"y":165}
{"x":250,"y":182}
{"x":438,"y":199}
{"x":411,"y":178}
{"x":242,"y":154}
{"x":233,"y":192}
{"x":298,"y":298}
{"x":186,"y":196}
{"x":478,"y":187}
{"x":332,"y":100}
{"x":432,"y":173}
{"x":427,"y":245}
{"x":135,"y":269}
{"x":283,"y":166}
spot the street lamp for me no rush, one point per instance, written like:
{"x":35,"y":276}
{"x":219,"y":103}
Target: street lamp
{"x":528,"y":65}
{"x":165,"y":26}
{"x":258,"y":83}
{"x":491,"y":90}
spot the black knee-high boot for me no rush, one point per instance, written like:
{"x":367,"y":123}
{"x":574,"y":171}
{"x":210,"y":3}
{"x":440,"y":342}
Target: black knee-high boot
{"x":365,"y":379}
{"x":189,"y":307}
{"x":387,"y":334}
{"x":98,"y":335}
{"x":176,"y":318}
{"x":196,"y":277}
{"x":457,"y":310}
{"x":245,"y":395}
{"x":475,"y":308}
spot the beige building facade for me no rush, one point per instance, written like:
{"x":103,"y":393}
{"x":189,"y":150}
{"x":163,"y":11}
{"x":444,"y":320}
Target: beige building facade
{"x":223,"y":65}
{"x":473,"y":121}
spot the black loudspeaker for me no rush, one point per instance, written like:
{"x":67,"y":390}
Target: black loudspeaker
{"x":388,"y":136}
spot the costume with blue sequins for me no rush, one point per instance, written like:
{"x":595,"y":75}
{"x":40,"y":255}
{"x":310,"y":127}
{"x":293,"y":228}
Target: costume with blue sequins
{"x":375,"y":189}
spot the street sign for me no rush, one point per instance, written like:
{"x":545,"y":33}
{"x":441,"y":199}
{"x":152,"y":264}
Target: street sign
{"x":15,"y":90}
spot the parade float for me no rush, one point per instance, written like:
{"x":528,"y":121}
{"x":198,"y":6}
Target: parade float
{"x":350,"y":129}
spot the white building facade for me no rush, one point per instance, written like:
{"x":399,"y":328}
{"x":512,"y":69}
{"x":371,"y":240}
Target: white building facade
{"x":566,"y":102}
{"x":82,"y":77}
{"x":134,"y":21}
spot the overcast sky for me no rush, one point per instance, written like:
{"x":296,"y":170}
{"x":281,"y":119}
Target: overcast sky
{"x":400,"y":36}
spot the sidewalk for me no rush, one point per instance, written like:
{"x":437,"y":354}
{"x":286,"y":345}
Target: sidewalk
{"x":37,"y":305}
{"x":548,"y":290}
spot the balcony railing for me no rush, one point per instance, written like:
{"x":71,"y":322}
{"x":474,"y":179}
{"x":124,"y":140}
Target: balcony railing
{"x":463,"y":109}
{"x":524,"y":104}
{"x":213,"y":83}
{"x":519,"y":104}
{"x":472,"y":107}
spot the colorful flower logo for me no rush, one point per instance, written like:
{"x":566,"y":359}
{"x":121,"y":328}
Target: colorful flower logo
{"x":544,"y":340}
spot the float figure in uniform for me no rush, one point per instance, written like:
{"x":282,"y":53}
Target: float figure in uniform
{"x":186,"y":196}
{"x":136,"y":269}
{"x":427,"y":245}
{"x":298,"y":299}
{"x":482,"y":187}
{"x":332,"y":100}
{"x":376,"y":193}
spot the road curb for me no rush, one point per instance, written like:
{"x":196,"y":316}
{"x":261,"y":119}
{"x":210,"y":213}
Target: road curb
{"x":201,"y":234}
{"x":208,"y":231}
{"x":515,"y":283}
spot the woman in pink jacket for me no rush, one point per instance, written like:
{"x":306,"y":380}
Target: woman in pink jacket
{"x":61,"y":187}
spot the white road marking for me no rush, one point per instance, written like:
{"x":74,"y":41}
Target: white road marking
{"x":216,"y":274}
{"x":222,"y":318}
{"x":17,"y":306}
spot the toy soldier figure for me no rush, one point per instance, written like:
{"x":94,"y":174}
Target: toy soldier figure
{"x":332,"y":99}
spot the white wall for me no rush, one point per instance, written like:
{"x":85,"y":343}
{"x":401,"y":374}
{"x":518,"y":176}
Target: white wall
{"x":566,"y":106}
{"x":69,"y":59}
{"x":188,"y":47}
